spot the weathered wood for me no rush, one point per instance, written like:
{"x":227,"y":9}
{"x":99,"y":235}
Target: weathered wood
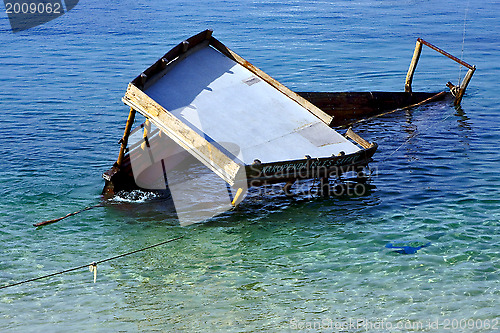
{"x":280,"y":87}
{"x":309,"y":168}
{"x":237,"y":197}
{"x":119,"y":168}
{"x":446,"y":54}
{"x":171,"y":55}
{"x":139,"y":143}
{"x":124,"y":140}
{"x":347,"y":107}
{"x":453,"y":88}
{"x":435,"y":97}
{"x":413,"y":65}
{"x":145,"y":135}
{"x":182,"y":134}
{"x":160,"y":72}
{"x":359,"y":140}
{"x":464,"y":84}
{"x":276,"y":172}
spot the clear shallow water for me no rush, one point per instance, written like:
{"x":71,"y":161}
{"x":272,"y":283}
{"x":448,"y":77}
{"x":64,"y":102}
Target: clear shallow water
{"x":273,"y":260}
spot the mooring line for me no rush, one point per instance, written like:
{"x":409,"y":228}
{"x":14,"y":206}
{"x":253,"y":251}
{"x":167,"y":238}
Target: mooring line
{"x":414,"y":135}
{"x":39,"y":224}
{"x":463,"y":43}
{"x":93,"y":265}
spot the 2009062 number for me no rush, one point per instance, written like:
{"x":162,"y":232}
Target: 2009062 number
{"x":32,"y":8}
{"x":470,"y":324}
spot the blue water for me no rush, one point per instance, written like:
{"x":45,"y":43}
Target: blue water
{"x":275,"y":264}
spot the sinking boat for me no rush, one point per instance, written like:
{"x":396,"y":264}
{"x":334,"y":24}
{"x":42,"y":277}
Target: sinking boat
{"x":201,"y":100}
{"x":244,"y":126}
{"x":349,"y":108}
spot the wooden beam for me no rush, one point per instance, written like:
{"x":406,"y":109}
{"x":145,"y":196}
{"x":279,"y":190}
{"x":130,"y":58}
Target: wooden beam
{"x":126,"y":133}
{"x":280,"y":87}
{"x":171,"y":55}
{"x":182,"y":134}
{"x":413,"y":66}
{"x":154,"y":77}
{"x":359,"y":140}
{"x":146,"y":134}
{"x":463,"y":85}
{"x":446,"y":54}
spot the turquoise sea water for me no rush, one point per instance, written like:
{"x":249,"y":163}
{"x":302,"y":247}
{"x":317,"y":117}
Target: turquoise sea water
{"x":276,"y":264}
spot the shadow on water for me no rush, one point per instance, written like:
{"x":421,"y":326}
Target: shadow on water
{"x":144,"y":207}
{"x":414,"y":132}
{"x":260,"y":203}
{"x":463,"y":120}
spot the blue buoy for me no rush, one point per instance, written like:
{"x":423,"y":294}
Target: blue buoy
{"x":407,"y":247}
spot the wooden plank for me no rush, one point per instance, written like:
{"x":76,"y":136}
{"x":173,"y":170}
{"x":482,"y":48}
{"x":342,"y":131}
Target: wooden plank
{"x":413,"y":66}
{"x":124,"y":140}
{"x":280,"y":87}
{"x":437,"y":96}
{"x":346,"y":107}
{"x":464,"y":84}
{"x":154,"y":77}
{"x":171,"y":55}
{"x":446,"y":54}
{"x":182,"y":134}
{"x":362,"y":142}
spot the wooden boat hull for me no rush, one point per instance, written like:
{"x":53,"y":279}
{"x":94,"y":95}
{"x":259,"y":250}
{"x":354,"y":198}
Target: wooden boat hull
{"x":257,"y":174}
{"x":205,"y":98}
{"x":309,"y":168}
{"x":349,"y":107}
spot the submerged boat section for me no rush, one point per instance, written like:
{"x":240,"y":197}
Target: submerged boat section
{"x":211,"y":117}
{"x":244,"y":126}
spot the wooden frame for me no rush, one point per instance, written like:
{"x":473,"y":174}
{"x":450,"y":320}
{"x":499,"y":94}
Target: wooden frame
{"x":184,"y":47}
{"x":457,"y":91}
{"x":182,"y":134}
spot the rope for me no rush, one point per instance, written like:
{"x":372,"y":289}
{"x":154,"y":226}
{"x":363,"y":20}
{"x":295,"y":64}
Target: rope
{"x":463,"y":43}
{"x":415,"y":134}
{"x":39,"y":224}
{"x":92,"y":266}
